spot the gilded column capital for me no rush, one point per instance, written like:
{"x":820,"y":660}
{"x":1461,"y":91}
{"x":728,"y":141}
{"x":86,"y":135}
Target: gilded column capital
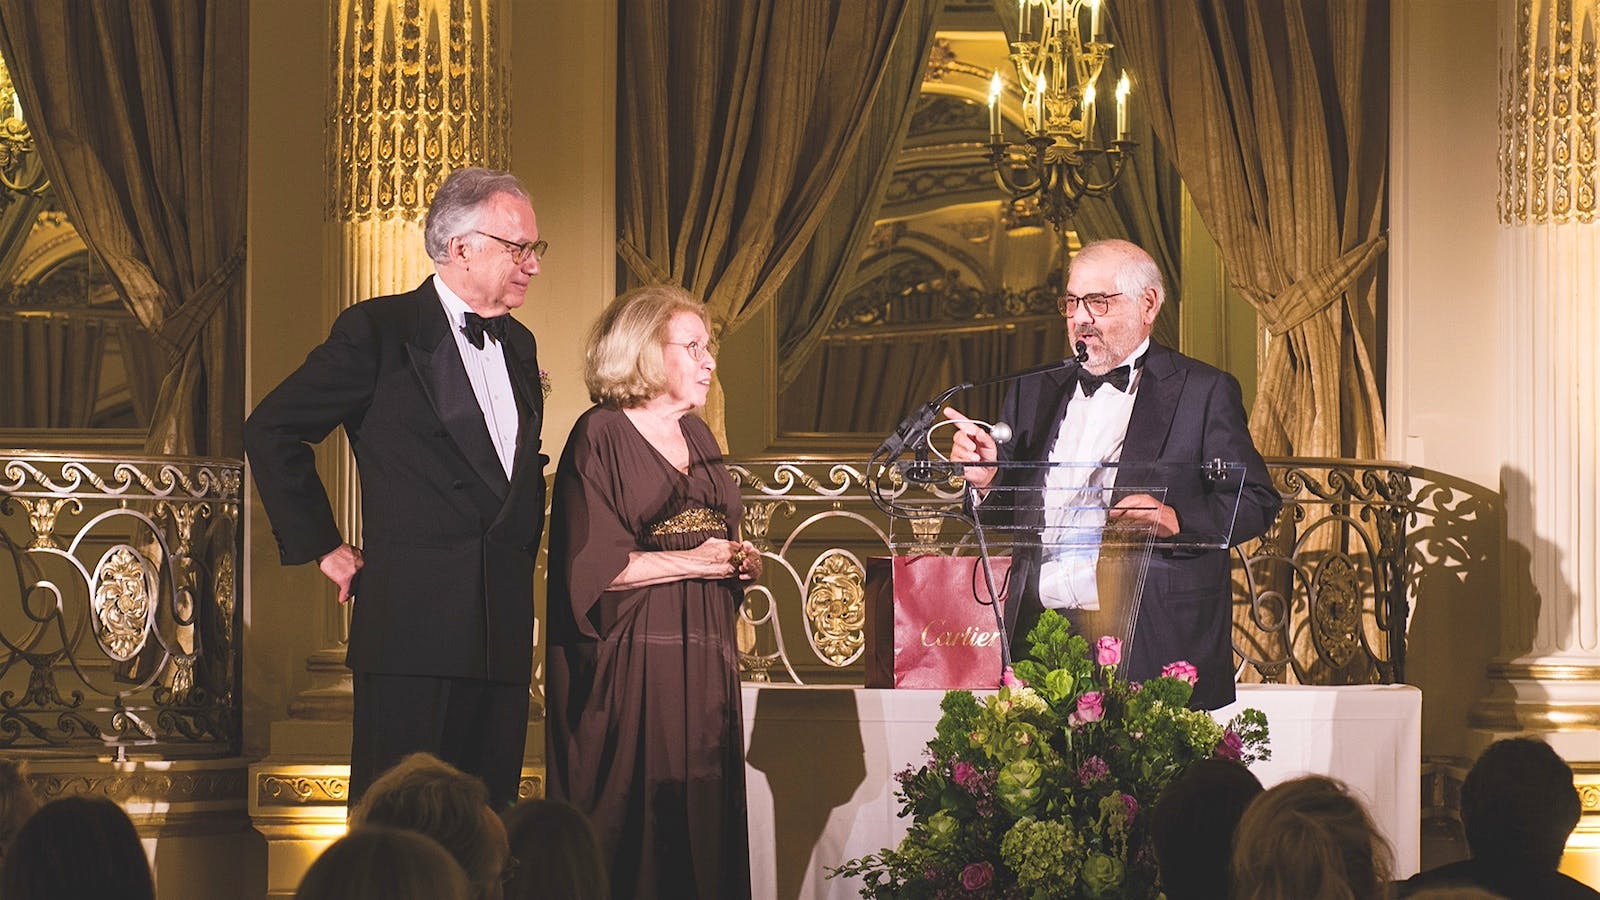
{"x":419,"y":89}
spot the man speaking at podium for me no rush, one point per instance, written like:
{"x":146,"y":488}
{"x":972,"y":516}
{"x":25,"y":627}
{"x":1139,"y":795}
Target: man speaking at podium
{"x":1131,"y":401}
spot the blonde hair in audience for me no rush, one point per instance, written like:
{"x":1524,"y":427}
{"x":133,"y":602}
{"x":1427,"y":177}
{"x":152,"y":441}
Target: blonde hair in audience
{"x":1310,"y":839}
{"x":622,"y":364}
{"x":425,"y":794}
{"x":380,"y":863}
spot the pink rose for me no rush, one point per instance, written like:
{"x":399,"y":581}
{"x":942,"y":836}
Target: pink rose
{"x":977,"y":876}
{"x":1181,"y":669}
{"x":1091,"y":708}
{"x":1010,"y":680}
{"x":1108,"y":651}
{"x":963,"y":772}
{"x":1232,"y":746}
{"x":1130,"y":806}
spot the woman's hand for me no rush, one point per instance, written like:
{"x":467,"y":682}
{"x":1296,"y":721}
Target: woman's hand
{"x":715,"y":558}
{"x":747,"y":560}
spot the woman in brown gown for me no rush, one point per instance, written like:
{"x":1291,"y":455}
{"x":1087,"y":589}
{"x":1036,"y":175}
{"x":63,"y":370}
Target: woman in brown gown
{"x":643,"y":725}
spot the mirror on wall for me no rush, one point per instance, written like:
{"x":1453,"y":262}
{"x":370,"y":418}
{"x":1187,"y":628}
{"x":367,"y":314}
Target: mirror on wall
{"x":957,"y":280}
{"x":72,"y":356}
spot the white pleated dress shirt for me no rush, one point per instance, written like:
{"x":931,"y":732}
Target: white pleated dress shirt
{"x":491,"y":380}
{"x":1076,"y":496}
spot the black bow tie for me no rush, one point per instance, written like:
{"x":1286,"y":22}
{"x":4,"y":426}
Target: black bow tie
{"x":1117,"y":378}
{"x":477,"y":326}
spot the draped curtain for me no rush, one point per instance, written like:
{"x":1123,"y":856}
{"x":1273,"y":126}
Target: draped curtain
{"x":739,"y":123}
{"x":1276,"y":115}
{"x":138,"y":110}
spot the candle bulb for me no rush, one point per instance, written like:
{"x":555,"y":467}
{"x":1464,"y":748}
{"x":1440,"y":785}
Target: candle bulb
{"x":1038,"y":103}
{"x":1094,"y":20}
{"x":1088,"y":114}
{"x":1022,"y":20}
{"x":1123,"y":87}
{"x":16,"y":107}
{"x":995,"y":135}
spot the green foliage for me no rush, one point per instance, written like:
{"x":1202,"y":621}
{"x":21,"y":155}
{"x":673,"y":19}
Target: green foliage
{"x":1045,"y":786}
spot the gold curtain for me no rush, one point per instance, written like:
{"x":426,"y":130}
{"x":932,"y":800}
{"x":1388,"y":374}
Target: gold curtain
{"x":138,"y":109}
{"x":739,"y":122}
{"x":1276,"y":115}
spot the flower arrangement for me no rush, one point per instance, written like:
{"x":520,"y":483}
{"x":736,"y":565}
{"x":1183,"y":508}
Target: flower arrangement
{"x":1042,"y":789}
{"x":545,"y":387}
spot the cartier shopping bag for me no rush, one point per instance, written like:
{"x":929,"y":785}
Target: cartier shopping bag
{"x":931,"y":624}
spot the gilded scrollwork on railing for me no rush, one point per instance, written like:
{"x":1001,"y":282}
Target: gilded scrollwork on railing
{"x":1320,"y":599}
{"x":836,"y":607}
{"x":119,"y":604}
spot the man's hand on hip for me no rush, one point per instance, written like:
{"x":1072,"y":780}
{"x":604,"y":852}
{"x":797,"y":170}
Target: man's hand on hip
{"x":343,"y":565}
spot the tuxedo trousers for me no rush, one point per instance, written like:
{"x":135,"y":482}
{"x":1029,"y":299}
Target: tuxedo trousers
{"x":477,"y":726}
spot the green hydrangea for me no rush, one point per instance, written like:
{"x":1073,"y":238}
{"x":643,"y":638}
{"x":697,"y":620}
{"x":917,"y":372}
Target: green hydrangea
{"x":1042,"y":854}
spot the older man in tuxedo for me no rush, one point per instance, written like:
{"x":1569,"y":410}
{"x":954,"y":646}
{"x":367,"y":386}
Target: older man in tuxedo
{"x":438,"y":392}
{"x":1131,"y":402}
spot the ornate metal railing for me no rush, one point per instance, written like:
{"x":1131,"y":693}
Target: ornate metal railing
{"x":120,"y":613}
{"x":1320,"y":599}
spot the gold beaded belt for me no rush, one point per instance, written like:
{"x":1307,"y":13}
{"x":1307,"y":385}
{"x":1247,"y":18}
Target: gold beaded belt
{"x":691,"y":521}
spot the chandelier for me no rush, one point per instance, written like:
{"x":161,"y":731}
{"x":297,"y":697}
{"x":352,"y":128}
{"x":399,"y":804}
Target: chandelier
{"x":1060,"y":159}
{"x":21,"y":171}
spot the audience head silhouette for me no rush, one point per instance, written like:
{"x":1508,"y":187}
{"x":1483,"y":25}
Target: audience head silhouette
{"x":17,"y":802}
{"x":1519,"y":804}
{"x":1192,"y":826}
{"x":1310,"y":839}
{"x":558,"y":857}
{"x":423,"y":793}
{"x":77,"y":847}
{"x":377,"y":863}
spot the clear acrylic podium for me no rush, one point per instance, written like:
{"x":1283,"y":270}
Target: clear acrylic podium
{"x":1079,"y":536}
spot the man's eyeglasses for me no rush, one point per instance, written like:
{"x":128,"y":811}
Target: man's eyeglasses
{"x":519,"y":252}
{"x":697,"y":350}
{"x":1098,"y":304}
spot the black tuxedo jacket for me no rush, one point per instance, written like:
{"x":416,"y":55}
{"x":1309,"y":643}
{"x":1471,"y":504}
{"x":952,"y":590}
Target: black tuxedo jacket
{"x":449,"y":541}
{"x":1184,"y":412}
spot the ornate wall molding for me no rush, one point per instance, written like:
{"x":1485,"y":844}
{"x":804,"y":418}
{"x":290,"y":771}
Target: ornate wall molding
{"x":1548,"y":119}
{"x":419,"y":88}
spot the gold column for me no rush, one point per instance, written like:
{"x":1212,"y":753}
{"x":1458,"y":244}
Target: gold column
{"x":1546,"y":677}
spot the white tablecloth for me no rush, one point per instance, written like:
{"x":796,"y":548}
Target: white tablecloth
{"x":819,"y":762}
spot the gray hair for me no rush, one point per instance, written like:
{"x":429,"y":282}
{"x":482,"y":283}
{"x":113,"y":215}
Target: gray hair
{"x":1137,"y":271}
{"x":457,"y":206}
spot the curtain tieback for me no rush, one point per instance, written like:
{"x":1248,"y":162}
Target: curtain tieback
{"x":184,"y":323}
{"x":1316,"y":292}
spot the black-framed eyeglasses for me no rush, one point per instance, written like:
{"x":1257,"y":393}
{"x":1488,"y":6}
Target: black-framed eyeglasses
{"x":519,"y":252}
{"x":1098,"y":304}
{"x":697,"y":350}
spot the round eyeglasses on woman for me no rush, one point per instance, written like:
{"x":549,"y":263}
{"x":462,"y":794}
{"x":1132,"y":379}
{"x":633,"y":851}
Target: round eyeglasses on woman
{"x":697,"y":350}
{"x":1097,"y":304}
